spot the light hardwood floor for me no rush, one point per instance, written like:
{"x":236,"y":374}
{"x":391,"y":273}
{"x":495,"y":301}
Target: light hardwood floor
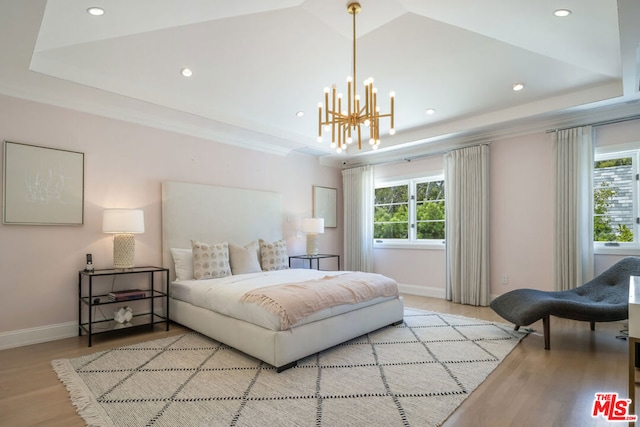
{"x":532,"y":387}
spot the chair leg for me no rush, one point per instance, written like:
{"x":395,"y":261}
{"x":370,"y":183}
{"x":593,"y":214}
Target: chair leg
{"x":593,"y":326}
{"x":546,"y":327}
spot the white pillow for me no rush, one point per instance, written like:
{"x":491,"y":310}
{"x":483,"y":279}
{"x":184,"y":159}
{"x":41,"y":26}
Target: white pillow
{"x":210,"y":261}
{"x":244,"y":260}
{"x":183,"y":263}
{"x":274,"y":255}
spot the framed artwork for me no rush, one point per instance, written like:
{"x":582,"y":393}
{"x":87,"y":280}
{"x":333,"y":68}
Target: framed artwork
{"x":324,"y":204}
{"x":42,"y":186}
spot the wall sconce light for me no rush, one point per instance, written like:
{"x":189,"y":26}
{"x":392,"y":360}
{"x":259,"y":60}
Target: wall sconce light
{"x":312,"y":226}
{"x":123,"y":223}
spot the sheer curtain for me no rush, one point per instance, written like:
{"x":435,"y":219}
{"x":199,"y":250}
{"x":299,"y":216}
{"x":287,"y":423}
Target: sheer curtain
{"x":467,"y":225}
{"x":358,"y":190}
{"x":573,"y":245}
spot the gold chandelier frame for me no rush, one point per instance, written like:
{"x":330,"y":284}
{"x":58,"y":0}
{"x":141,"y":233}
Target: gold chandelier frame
{"x":344,"y":123}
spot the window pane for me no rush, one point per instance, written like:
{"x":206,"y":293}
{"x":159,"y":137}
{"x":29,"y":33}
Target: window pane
{"x":412,"y":211}
{"x":432,"y":190}
{"x":430,"y":210}
{"x":431,"y":230}
{"x":613,"y":200}
{"x":397,"y":194}
{"x":391,"y":230}
{"x":391,"y":215}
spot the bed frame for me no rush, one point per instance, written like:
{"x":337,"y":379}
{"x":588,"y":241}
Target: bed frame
{"x":215,"y":214}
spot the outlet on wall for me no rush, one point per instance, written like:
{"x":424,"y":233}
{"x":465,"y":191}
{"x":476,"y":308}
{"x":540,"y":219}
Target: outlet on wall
{"x":504,"y":280}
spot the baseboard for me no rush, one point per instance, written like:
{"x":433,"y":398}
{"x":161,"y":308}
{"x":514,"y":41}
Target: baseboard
{"x":22,"y":337}
{"x":422,"y":291}
{"x":37,"y":335}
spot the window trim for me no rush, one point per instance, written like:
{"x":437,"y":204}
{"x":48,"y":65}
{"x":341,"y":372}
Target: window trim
{"x":411,"y":242}
{"x":631,"y":149}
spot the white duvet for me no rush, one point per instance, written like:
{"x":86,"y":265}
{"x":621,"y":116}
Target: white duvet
{"x":223,"y":295}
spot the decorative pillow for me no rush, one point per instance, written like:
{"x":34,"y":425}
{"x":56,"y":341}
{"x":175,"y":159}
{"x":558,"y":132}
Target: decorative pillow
{"x":274,"y":255}
{"x":210,"y":261}
{"x":183,"y":263}
{"x":244,"y":260}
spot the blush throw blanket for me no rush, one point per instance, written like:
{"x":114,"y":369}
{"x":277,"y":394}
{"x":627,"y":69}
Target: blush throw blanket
{"x":294,"y":301}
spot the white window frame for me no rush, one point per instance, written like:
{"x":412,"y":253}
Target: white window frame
{"x":613,"y":152}
{"x":411,"y":242}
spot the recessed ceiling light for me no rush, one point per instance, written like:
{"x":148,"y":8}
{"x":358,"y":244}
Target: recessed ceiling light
{"x":518,"y":86}
{"x":300,"y":114}
{"x":561,"y":13}
{"x":95,"y":11}
{"x":430,"y":111}
{"x":186,"y":72}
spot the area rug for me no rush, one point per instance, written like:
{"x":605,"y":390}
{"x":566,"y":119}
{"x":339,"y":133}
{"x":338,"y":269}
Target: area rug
{"x":415,"y":374}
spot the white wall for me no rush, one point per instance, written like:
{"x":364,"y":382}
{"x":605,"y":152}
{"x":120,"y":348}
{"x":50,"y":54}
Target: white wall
{"x":418,"y":271}
{"x":521,"y":212}
{"x":124,"y":166}
{"x":521,"y":222}
{"x":614,"y":134}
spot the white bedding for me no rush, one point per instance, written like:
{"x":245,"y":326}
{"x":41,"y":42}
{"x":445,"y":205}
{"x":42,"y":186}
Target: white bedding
{"x":223,"y":295}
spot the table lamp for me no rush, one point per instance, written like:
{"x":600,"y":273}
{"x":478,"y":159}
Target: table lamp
{"x":123,"y":223}
{"x":312,"y":226}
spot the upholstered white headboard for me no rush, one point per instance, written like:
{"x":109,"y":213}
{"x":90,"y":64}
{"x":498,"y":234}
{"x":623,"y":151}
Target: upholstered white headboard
{"x":214,"y":214}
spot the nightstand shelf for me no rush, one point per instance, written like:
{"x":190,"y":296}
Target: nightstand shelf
{"x":317,"y":257}
{"x":91,"y":300}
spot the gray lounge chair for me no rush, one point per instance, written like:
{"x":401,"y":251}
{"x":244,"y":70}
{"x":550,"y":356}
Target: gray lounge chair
{"x":603,"y":299}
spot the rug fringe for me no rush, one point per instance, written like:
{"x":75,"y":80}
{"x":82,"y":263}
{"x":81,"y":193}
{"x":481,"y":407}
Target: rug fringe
{"x":86,"y":405}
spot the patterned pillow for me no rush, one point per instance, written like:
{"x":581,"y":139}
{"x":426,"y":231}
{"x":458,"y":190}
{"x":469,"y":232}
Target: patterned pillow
{"x":210,"y":261}
{"x":244,"y":260}
{"x":274,"y":255}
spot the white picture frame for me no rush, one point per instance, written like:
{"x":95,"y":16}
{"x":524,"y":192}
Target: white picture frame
{"x":324,"y":205}
{"x":42,"y":185}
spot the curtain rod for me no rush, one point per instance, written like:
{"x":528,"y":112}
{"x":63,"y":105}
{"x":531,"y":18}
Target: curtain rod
{"x":602,"y":123}
{"x":419,"y":156}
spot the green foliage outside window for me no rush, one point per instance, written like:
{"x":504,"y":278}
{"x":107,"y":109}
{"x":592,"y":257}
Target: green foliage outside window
{"x":391,"y":215}
{"x":603,"y":196}
{"x":430,"y":210}
{"x":602,"y":229}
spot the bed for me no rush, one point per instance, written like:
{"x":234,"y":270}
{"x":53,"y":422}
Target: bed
{"x":240,"y":218}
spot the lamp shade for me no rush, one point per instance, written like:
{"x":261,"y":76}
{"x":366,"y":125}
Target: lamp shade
{"x":313,"y":225}
{"x":123,"y":221}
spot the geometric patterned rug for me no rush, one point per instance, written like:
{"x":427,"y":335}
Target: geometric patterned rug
{"x":414,"y":374}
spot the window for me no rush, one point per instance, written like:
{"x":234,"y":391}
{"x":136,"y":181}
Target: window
{"x":410,"y":211}
{"x":615,"y":195}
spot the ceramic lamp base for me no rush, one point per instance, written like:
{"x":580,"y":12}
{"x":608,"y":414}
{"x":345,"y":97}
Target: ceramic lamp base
{"x":124,"y":249}
{"x":312,"y":244}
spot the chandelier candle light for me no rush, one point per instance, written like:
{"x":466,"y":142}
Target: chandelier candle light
{"x":343,"y":123}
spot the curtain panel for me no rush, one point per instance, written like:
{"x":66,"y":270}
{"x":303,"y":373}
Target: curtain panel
{"x":467,"y":225}
{"x":573,"y":204}
{"x":358,"y":190}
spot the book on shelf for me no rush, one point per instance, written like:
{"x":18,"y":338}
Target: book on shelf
{"x":126,"y":295}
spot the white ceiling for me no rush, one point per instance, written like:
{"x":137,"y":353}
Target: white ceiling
{"x":257,"y":62}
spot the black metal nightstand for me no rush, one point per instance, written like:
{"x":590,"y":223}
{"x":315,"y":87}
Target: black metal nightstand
{"x":92,"y":299}
{"x":316,"y":257}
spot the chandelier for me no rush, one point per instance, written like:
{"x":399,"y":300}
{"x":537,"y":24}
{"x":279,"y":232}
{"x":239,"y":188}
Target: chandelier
{"x":344,"y":123}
